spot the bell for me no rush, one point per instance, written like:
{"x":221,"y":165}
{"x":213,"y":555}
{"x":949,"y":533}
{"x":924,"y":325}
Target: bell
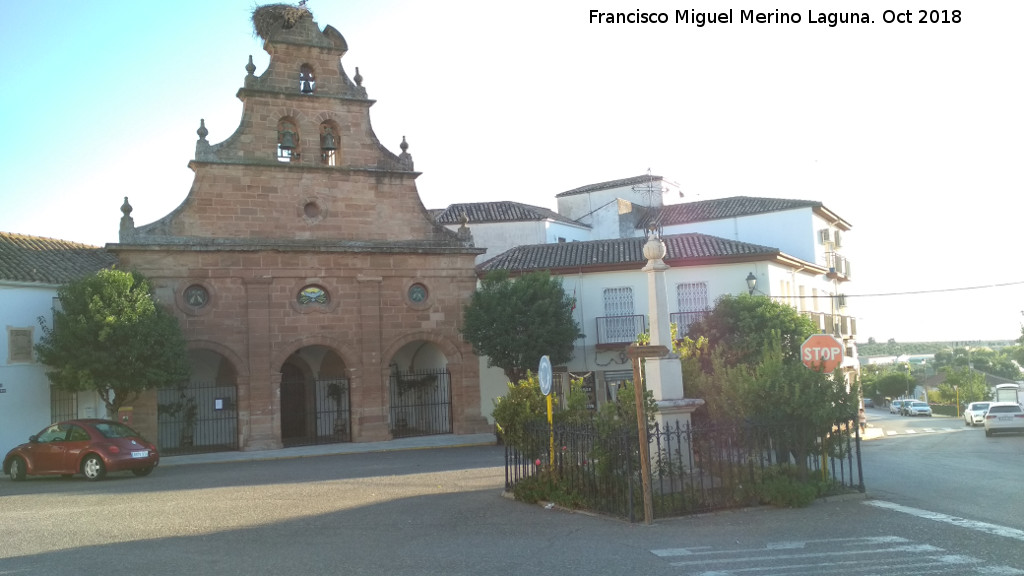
{"x":307,"y":88}
{"x":287,"y":140}
{"x":329,"y":141}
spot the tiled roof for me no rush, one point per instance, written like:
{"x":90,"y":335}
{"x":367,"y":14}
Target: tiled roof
{"x":48,"y":261}
{"x":624,"y":252}
{"x":704,"y":210}
{"x":608,"y":185}
{"x":504,"y":211}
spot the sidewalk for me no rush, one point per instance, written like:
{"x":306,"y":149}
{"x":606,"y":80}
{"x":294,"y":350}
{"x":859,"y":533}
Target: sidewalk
{"x":415,"y":443}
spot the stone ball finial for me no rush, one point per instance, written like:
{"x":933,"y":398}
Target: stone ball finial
{"x":202,"y":131}
{"x":654,"y":249}
{"x":250,"y":67}
{"x":358,"y":77}
{"x":404,"y":145}
{"x":126,"y":208}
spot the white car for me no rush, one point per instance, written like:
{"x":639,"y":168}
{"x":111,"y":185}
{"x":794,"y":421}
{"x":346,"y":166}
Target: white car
{"x":1004,"y":417}
{"x":894,"y":406}
{"x":975,"y":413}
{"x":917,"y":408}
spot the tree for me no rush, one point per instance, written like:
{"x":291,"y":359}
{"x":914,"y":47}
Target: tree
{"x":895,"y":384}
{"x":111,"y":336}
{"x":741,"y":328}
{"x":965,"y":385}
{"x":515,"y":322}
{"x":745,"y":363}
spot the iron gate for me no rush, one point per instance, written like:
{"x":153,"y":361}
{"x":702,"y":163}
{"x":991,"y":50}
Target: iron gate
{"x":316,"y":412}
{"x":197,"y":417}
{"x":421,"y":403}
{"x":332,"y":411}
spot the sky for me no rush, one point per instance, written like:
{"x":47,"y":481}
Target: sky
{"x":911,"y":132}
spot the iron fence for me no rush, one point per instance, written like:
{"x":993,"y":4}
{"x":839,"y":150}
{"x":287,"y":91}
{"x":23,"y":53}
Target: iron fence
{"x":195,"y":418}
{"x":693,"y":469}
{"x":63,"y":404}
{"x":421,"y":403}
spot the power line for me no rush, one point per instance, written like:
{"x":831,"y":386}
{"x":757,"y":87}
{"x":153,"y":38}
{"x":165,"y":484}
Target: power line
{"x":936,"y":290}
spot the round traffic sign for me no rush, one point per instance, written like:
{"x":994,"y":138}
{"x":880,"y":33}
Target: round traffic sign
{"x":544,"y":375}
{"x":821,"y":353}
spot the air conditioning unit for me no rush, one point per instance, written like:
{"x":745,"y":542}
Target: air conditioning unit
{"x":825,"y":236}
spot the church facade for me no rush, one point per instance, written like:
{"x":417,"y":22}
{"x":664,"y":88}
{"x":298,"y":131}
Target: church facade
{"x":320,"y":301}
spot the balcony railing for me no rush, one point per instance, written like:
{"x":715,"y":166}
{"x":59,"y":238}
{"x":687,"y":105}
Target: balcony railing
{"x":683,"y":320}
{"x":842,"y":327}
{"x":619,"y":331}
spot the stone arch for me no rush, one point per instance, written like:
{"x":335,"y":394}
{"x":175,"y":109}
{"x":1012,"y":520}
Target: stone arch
{"x":315,"y":406}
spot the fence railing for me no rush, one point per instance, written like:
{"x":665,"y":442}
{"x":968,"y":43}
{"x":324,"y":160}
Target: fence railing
{"x":615,"y":331}
{"x":693,"y":469}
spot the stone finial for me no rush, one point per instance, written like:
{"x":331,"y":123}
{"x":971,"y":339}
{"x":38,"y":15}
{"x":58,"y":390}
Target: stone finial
{"x":250,"y":67}
{"x":127,"y":222}
{"x":405,"y":158}
{"x":358,"y":78}
{"x":202,"y":145}
{"x":463,"y":232}
{"x":654,"y":252}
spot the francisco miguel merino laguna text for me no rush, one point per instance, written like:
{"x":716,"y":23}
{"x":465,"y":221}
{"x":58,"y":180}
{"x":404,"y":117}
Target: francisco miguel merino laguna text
{"x":701,"y":19}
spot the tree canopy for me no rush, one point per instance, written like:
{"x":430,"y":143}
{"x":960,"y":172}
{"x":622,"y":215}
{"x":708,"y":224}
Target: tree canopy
{"x":741,"y":328}
{"x":515,"y":322}
{"x":111,"y":336}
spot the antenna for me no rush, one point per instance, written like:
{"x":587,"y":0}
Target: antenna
{"x":653,"y":192}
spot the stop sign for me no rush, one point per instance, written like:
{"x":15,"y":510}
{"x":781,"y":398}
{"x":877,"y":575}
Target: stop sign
{"x":821,"y":353}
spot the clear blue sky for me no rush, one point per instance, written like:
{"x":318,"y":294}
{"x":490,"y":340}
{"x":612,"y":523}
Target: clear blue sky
{"x":911,"y":132}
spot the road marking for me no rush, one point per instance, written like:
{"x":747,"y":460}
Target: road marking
{"x":985,"y":527}
{"x":891,"y":555}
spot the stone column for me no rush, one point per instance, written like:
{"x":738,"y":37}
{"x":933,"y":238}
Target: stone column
{"x":665,"y":374}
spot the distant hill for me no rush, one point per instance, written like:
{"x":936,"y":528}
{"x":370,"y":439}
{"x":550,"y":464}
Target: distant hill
{"x":900,"y":348}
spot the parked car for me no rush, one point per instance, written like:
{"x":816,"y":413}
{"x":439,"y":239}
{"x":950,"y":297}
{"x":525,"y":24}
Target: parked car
{"x":917,"y":408}
{"x":1004,"y":417}
{"x":975,"y":413}
{"x":894,"y":406}
{"x":869,"y":403}
{"x":91,"y":447}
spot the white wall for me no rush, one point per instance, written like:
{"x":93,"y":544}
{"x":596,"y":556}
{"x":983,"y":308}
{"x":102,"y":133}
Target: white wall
{"x":25,"y":406}
{"x":791,"y":231}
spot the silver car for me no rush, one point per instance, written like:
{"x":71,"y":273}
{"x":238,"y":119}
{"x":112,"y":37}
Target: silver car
{"x":975,"y":413}
{"x":917,"y":408}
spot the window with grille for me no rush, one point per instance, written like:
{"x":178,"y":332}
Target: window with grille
{"x":618,"y":306}
{"x":692,"y":299}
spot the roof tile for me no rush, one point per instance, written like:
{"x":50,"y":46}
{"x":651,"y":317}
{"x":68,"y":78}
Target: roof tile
{"x":619,"y":251}
{"x":47,"y":261}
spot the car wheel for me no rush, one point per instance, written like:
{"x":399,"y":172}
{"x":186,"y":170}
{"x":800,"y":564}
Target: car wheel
{"x":142,"y":471}
{"x":93,"y":468}
{"x":17,"y":469}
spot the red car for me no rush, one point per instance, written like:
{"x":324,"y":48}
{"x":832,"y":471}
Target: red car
{"x":92,"y":447}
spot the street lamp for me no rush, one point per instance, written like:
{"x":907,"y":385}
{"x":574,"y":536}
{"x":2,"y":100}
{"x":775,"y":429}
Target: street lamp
{"x":751,"y":283}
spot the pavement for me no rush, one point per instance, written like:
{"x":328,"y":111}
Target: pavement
{"x":414,"y":443}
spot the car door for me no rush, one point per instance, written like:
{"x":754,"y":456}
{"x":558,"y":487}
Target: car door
{"x":77,"y":442}
{"x":47,"y":452}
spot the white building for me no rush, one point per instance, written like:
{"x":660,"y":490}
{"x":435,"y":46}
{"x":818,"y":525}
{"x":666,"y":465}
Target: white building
{"x":785,"y":249}
{"x":31,"y":271}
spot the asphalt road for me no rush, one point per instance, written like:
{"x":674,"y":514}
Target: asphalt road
{"x":442,"y":512}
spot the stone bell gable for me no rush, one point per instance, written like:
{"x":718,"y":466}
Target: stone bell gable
{"x":304,"y":162}
{"x":311,"y":283}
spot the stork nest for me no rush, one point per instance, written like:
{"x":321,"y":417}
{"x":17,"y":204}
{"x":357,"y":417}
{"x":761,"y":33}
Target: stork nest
{"x":267,"y":19}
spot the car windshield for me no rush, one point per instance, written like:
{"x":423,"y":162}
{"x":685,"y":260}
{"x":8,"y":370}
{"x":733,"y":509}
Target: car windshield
{"x":919,"y":405}
{"x":115,"y":430}
{"x":979,"y":406}
{"x":1001,"y":409}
